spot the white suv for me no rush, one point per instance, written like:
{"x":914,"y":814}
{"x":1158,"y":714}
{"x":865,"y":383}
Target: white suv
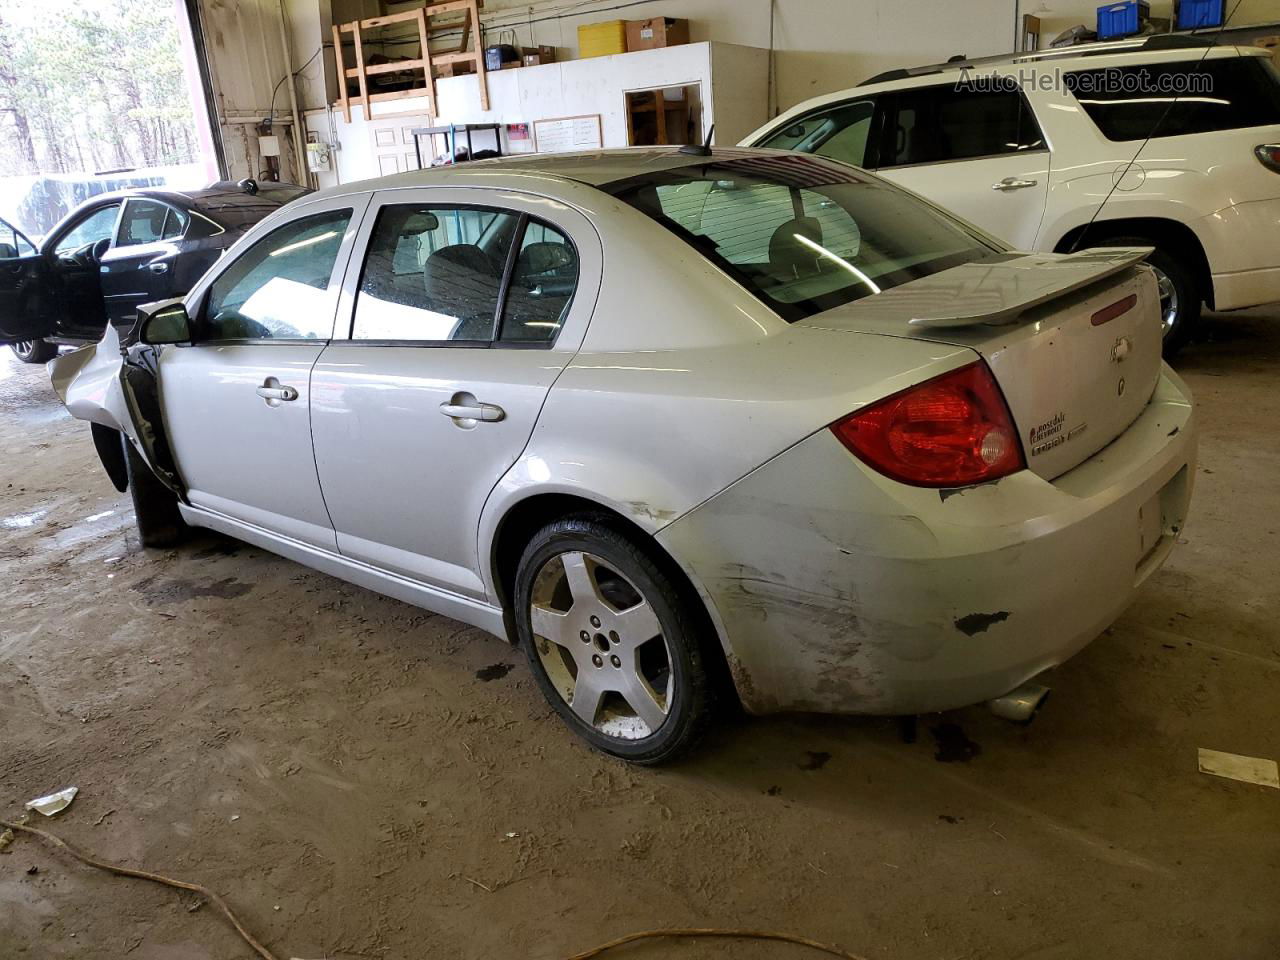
{"x":1028,"y":147}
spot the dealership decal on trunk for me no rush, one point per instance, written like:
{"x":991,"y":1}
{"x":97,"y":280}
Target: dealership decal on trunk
{"x":1050,"y":434}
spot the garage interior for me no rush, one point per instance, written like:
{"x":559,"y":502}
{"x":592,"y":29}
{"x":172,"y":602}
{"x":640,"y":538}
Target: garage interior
{"x":361,"y":778}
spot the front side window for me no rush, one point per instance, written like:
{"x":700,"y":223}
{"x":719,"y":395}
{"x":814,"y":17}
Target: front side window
{"x":279,"y":287}
{"x":802,"y":235}
{"x":433,"y":273}
{"x":12,"y":243}
{"x":938,"y":124}
{"x":1176,"y":99}
{"x":842,"y":132}
{"x":97,"y":226}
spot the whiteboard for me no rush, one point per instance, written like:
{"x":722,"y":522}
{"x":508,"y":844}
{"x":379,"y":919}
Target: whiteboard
{"x":567,"y":133}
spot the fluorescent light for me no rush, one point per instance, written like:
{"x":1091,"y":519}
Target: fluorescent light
{"x":822,"y":251}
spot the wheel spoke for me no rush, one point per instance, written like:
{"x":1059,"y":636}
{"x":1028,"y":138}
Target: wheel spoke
{"x":581,"y":578}
{"x":641,"y":699}
{"x":552,"y":625}
{"x":587,"y":693}
{"x":638,"y":624}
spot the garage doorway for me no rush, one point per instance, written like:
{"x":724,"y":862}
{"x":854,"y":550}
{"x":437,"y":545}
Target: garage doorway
{"x":665,"y":115}
{"x":97,"y":95}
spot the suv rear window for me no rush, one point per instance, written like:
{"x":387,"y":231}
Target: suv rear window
{"x":1128,"y":103}
{"x":803,"y":235}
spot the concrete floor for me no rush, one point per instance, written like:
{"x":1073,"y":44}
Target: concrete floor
{"x":361,"y":781}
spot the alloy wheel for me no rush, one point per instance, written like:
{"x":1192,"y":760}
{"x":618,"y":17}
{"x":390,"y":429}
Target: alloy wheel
{"x":602,"y":646}
{"x":1168,"y":300}
{"x":24,"y":349}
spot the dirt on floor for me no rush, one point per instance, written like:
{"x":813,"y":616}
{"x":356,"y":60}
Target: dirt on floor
{"x":366,"y":780}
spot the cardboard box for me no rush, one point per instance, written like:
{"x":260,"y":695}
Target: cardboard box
{"x":602,"y":39}
{"x":533,"y":56}
{"x":1272,"y":44}
{"x":656,"y":32}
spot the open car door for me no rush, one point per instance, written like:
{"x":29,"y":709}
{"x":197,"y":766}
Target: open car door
{"x":26,"y":297}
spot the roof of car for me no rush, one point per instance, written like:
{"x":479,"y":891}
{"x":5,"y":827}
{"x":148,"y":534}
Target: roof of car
{"x":596,"y":168}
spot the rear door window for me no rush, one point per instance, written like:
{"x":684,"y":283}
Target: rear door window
{"x":543,"y":280}
{"x":143,"y":222}
{"x":940,"y":124}
{"x":1176,"y":99}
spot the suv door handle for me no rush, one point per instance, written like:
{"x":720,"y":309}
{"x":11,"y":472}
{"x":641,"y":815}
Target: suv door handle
{"x":1012,"y":183}
{"x":158,"y":267}
{"x":466,"y":407}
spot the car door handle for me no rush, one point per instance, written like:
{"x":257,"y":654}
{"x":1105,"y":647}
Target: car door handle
{"x":274,"y":392}
{"x":483,"y":412}
{"x":1013,"y":183}
{"x":158,"y":267}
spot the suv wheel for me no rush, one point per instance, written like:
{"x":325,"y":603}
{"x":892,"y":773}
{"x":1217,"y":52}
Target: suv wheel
{"x":611,"y":641}
{"x":35,"y":351}
{"x":1180,"y":295}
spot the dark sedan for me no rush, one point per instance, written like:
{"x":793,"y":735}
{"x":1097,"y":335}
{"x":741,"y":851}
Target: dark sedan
{"x":115,"y":252}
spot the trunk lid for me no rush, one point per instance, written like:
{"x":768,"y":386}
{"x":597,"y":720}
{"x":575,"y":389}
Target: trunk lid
{"x":1075,"y":373}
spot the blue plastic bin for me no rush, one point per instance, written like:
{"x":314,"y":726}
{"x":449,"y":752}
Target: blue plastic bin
{"x":1122,"y":19}
{"x":1199,"y":13}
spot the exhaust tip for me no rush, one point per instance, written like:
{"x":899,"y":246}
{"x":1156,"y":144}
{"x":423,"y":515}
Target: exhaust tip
{"x":1020,"y":705}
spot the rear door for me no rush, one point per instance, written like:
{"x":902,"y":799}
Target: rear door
{"x":467,"y":306}
{"x":140,"y":265}
{"x":979,"y":153}
{"x":236,"y":403}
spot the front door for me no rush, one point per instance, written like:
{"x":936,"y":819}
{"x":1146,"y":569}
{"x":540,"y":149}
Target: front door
{"x":75,"y":262}
{"x":139,"y":266}
{"x":24,"y":311}
{"x":237,"y":402}
{"x":468,"y":306}
{"x":979,"y":154}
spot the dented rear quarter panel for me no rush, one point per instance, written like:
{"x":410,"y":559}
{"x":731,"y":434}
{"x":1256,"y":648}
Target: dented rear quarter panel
{"x":839,"y":590}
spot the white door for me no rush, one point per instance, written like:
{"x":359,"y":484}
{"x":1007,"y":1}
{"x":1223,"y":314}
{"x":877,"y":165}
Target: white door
{"x":236,"y":403}
{"x":431,"y":396}
{"x":979,"y":154}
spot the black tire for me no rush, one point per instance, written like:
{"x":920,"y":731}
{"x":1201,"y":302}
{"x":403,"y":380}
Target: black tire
{"x":155,"y":506}
{"x":35,"y":351}
{"x":1172,"y":263}
{"x":679,"y":662}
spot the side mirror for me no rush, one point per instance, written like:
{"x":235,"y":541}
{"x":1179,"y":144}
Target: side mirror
{"x":164,"y":322}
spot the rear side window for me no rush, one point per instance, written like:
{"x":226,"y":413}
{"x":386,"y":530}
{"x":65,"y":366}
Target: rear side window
{"x":279,"y":287}
{"x":1177,"y":99}
{"x":937,"y":124}
{"x":543,"y":279}
{"x":143,"y":222}
{"x":841,"y":132}
{"x":433,"y":273}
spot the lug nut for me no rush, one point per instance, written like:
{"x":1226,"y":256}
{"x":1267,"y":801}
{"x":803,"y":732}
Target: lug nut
{"x":595,"y":621}
{"x":615,"y":660}
{"x":586,"y":637}
{"x":597,"y":660}
{"x":613,"y":636}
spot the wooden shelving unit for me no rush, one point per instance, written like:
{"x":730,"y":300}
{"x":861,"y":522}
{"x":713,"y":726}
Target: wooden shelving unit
{"x":470,"y":50}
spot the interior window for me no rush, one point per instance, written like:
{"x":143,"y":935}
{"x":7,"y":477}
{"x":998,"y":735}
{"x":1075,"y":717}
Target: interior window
{"x":12,"y":243}
{"x":542,"y":284}
{"x":278,"y":288}
{"x":936,"y":124}
{"x":143,"y":222}
{"x":98,"y":225}
{"x":433,"y":273}
{"x":840,"y":132}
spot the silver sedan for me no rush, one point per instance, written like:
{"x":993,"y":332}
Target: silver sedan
{"x":682,"y":424}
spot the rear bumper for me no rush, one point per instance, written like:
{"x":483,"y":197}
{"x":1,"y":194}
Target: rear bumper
{"x":1242,"y":243}
{"x":837,"y":590}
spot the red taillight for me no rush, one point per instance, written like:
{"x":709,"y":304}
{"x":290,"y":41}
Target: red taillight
{"x":1269,"y":155}
{"x":950,"y":431}
{"x":1117,"y":309}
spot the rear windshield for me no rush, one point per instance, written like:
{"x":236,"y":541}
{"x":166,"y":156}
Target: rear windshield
{"x":800,"y":234}
{"x":1130,"y":103}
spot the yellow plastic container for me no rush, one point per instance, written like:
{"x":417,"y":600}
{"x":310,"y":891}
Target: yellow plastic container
{"x":602,"y":39}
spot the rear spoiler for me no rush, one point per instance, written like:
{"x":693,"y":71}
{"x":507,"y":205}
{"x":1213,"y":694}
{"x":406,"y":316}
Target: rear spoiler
{"x":999,"y":291}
